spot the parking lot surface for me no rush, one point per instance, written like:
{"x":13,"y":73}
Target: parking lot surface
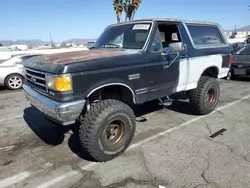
{"x":172,"y":147}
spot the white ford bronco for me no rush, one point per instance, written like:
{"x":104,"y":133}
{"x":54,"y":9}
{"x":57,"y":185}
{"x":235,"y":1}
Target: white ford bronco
{"x":130,"y":63}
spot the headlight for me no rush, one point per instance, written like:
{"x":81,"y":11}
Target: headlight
{"x":59,"y":83}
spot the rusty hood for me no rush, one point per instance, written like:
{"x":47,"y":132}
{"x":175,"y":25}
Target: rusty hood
{"x":76,"y":60}
{"x":76,"y":56}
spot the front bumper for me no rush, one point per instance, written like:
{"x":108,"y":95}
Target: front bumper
{"x":62,"y":113}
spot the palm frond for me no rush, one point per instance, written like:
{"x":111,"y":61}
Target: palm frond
{"x":136,"y":5}
{"x":118,"y":7}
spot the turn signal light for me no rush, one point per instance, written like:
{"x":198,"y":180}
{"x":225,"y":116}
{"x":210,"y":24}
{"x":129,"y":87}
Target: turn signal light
{"x":63,"y":83}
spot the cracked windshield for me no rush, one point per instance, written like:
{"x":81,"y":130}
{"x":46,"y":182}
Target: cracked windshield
{"x":124,"y":94}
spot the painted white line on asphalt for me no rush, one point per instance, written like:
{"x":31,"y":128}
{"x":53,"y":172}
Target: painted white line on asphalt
{"x":58,"y":179}
{"x":7,"y":148}
{"x":232,"y":103}
{"x":66,"y":176}
{"x":19,"y":177}
{"x":186,"y":123}
{"x":14,"y":179}
{"x":92,"y":164}
{"x":13,"y":93}
{"x":11,"y":118}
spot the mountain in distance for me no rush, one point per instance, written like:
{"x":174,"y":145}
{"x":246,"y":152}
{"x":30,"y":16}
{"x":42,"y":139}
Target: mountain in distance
{"x":36,"y":42}
{"x":245,"y":28}
{"x":27,"y":42}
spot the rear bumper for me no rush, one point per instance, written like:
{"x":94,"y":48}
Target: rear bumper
{"x":240,"y":70}
{"x":62,"y":113}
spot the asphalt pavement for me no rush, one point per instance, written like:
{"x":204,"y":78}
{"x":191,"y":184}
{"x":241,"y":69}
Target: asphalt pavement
{"x":172,"y":147}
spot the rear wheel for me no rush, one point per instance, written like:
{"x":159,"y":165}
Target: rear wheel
{"x":107,"y":129}
{"x":205,"y":97}
{"x":14,"y":82}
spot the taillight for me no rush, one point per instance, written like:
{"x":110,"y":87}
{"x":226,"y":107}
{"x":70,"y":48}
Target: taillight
{"x":230,"y":59}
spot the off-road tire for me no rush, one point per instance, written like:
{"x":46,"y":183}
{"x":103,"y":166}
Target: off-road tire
{"x":92,"y":126}
{"x":197,"y":97}
{"x":12,"y":76}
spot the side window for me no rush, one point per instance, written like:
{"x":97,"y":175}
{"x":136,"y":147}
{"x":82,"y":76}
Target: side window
{"x":205,"y":35}
{"x":157,"y":44}
{"x":169,"y":34}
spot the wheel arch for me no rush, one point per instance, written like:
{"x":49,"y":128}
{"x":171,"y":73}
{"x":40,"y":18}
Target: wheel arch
{"x":212,"y":71}
{"x":118,"y":84}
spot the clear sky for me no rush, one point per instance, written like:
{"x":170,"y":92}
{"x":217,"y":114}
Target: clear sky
{"x":33,"y":19}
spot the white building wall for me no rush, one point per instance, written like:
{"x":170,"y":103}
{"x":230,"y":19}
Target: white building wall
{"x":20,"y":47}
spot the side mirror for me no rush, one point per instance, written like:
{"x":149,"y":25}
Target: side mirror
{"x":176,"y":47}
{"x":90,"y":44}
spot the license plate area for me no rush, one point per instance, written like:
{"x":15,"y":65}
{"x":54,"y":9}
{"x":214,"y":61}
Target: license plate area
{"x":240,"y":71}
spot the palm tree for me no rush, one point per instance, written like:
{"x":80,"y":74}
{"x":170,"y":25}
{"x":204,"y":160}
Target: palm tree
{"x":130,"y":11}
{"x":128,"y":8}
{"x":135,"y":5}
{"x":118,"y":7}
{"x":125,"y":8}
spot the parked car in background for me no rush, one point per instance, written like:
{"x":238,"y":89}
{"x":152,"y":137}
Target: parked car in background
{"x":247,"y":39}
{"x":237,"y":46}
{"x":240,"y":66}
{"x":11,"y":71}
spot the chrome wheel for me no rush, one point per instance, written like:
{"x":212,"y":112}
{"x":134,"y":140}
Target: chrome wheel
{"x":15,"y":82}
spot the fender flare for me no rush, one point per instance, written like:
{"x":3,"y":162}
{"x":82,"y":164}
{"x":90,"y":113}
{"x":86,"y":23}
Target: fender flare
{"x":113,"y":84}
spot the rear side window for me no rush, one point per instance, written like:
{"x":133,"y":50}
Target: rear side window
{"x":205,"y":35}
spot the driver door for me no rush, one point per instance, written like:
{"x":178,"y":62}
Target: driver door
{"x":163,"y":65}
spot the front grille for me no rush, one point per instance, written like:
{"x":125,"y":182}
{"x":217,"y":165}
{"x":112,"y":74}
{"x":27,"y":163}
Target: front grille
{"x":36,"y":80}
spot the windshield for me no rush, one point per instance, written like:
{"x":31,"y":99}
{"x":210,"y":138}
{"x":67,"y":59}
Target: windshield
{"x":127,"y":36}
{"x":244,"y":51}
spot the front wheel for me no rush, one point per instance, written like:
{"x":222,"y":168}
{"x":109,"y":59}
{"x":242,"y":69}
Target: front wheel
{"x":14,"y":82}
{"x":205,"y":97}
{"x":107,"y":129}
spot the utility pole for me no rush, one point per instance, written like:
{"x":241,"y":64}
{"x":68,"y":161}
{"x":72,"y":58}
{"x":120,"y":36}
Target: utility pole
{"x":51,"y":41}
{"x":235,"y":32}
